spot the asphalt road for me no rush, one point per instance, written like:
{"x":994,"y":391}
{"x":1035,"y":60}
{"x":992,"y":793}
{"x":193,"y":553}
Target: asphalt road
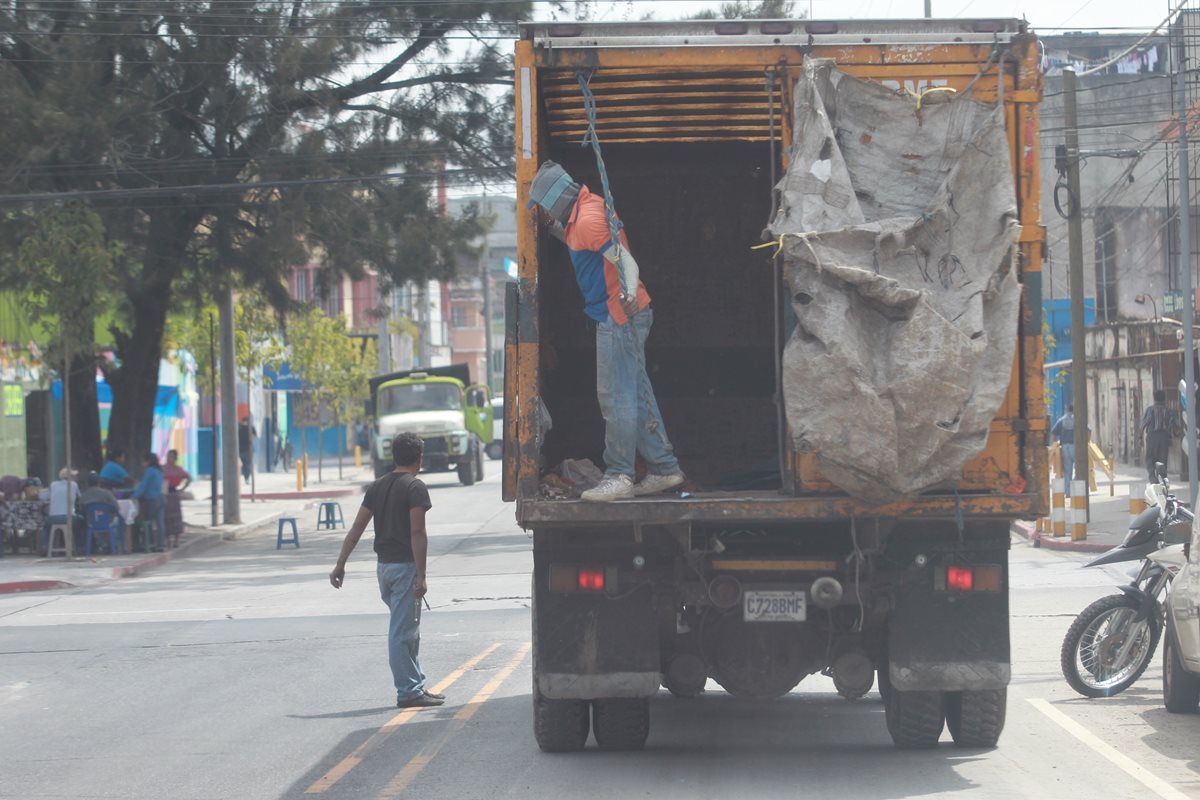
{"x":242,"y":674}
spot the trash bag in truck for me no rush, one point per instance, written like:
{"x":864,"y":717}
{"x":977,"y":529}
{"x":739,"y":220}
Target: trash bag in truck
{"x":898,"y":223}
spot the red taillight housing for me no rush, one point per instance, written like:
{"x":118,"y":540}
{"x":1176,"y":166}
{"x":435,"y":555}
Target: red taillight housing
{"x":591,"y":580}
{"x":960,"y":579}
{"x":973,"y":578}
{"x":573,"y":578}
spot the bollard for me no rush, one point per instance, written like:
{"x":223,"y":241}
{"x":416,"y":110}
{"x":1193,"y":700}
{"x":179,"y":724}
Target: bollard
{"x":1079,"y":498}
{"x":357,"y":457}
{"x":299,"y":475}
{"x":1058,"y":511}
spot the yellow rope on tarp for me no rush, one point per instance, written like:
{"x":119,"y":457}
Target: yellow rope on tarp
{"x":777,"y":243}
{"x":921,"y":95}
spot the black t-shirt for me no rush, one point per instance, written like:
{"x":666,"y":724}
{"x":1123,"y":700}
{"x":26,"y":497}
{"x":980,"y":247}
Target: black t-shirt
{"x":389,"y":500}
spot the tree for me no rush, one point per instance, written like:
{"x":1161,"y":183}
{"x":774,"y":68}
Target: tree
{"x":318,"y":350}
{"x":64,"y":267}
{"x":226,"y":138}
{"x":747,"y":9}
{"x":351,"y":386}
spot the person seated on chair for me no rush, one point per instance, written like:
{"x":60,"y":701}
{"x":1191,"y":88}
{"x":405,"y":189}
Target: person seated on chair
{"x":96,"y":494}
{"x":12,"y":488}
{"x":64,"y":501}
{"x":150,"y":491}
{"x":113,"y":474}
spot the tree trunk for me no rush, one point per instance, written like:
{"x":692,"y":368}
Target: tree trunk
{"x":320,"y":452}
{"x":85,"y":414}
{"x":148,"y":291}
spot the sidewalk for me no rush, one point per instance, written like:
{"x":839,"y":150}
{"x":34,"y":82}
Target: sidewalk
{"x":1109,"y":516}
{"x":275,"y":496}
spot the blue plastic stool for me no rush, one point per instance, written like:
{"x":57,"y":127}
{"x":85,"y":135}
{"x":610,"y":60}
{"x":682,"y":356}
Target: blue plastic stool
{"x":327,"y":519}
{"x":279,"y":540}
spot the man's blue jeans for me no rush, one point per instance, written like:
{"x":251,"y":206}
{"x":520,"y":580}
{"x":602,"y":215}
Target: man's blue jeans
{"x":633,"y":423}
{"x":404,"y":629}
{"x":1068,"y":462}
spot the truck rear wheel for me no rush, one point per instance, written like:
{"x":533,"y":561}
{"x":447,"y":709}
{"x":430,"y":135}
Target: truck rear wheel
{"x":560,"y":726}
{"x":914,"y":719}
{"x":621,"y":723}
{"x":975,"y":719}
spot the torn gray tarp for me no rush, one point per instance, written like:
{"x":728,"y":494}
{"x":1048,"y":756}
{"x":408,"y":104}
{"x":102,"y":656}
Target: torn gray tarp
{"x":899,"y":228}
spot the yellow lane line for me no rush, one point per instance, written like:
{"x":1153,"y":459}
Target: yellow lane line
{"x":343,"y":767}
{"x":1123,"y":762}
{"x":461,"y":717}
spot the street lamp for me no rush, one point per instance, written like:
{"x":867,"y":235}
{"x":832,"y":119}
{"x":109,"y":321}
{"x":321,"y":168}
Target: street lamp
{"x":1141,"y":301}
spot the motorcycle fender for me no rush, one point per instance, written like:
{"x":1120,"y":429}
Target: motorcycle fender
{"x":1121,"y":553}
{"x":1147,"y":605}
{"x":939,"y":641}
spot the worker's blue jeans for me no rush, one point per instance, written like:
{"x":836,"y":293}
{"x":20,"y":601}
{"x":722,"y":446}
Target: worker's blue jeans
{"x":1068,"y":460}
{"x":633,"y":423}
{"x":404,"y":629}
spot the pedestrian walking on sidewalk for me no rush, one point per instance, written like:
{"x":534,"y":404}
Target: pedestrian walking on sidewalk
{"x":398,"y":502}
{"x":1160,"y":424}
{"x":1064,"y":429}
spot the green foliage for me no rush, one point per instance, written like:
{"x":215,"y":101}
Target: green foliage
{"x":227,"y":141}
{"x":332,"y":363}
{"x":747,"y":9}
{"x":64,"y":265}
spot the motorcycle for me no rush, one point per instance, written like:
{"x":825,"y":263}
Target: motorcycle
{"x":1112,"y":641}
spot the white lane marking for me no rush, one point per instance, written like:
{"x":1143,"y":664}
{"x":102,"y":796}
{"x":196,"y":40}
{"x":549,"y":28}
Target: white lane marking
{"x":1117,"y":758}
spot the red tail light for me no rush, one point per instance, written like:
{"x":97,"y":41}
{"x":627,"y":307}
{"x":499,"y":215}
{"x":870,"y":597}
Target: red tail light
{"x":960,"y":579}
{"x":591,"y":580}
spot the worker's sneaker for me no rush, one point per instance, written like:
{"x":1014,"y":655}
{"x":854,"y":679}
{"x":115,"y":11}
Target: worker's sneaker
{"x":422,"y":700}
{"x":435,"y":695}
{"x":612,"y":487}
{"x":653,"y":484}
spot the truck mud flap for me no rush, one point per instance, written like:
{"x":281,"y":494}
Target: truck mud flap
{"x":949,"y":642}
{"x":589,"y":647}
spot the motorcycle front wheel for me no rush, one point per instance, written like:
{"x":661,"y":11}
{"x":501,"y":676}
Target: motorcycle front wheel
{"x":1107,"y":647}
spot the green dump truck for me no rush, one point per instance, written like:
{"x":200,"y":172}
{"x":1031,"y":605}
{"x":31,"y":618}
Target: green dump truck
{"x":442,"y":406}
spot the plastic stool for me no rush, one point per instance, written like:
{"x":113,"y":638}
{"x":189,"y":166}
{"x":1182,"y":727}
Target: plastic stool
{"x":326,"y":518}
{"x":64,"y":529}
{"x":279,"y":540}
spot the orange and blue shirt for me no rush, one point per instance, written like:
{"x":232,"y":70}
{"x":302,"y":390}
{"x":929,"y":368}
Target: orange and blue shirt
{"x":587,"y":237}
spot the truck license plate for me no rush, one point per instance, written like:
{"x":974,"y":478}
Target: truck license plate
{"x":774,"y":606}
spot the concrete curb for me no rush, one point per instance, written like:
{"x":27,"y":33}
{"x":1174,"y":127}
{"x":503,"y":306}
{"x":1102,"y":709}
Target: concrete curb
{"x":199,"y":539}
{"x":16,"y":587}
{"x":303,"y":495}
{"x":1028,"y":530}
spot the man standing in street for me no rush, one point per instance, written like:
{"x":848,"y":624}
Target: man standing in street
{"x":618,"y":306}
{"x":1160,"y":424}
{"x":1064,"y":429}
{"x":398,"y":502}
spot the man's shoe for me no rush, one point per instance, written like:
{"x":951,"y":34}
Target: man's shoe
{"x":612,"y":487}
{"x":435,"y":695}
{"x":422,"y":700}
{"x":653,"y":484}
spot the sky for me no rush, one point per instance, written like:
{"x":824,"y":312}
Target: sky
{"x":1048,"y":16}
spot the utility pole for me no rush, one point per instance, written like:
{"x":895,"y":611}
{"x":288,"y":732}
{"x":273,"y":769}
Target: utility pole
{"x":928,"y":9}
{"x":485,"y":283}
{"x":1075,"y":249}
{"x":212,"y":395}
{"x":1185,"y":258}
{"x":232,"y":480}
